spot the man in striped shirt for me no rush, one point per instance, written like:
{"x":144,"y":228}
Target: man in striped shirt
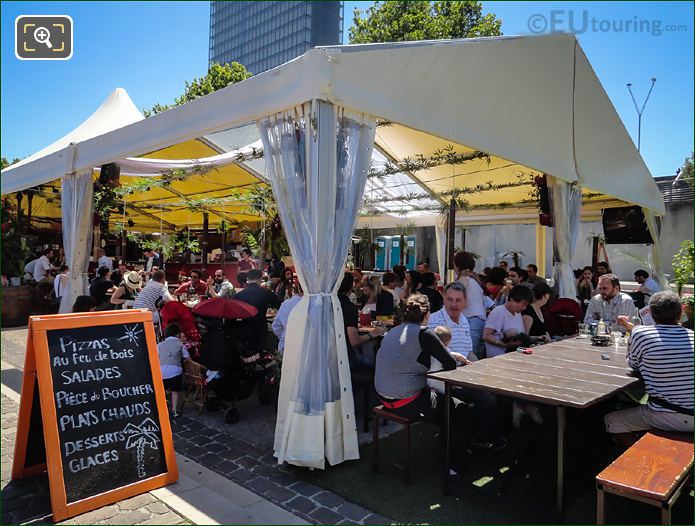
{"x":663,"y":355}
{"x":610,"y":302}
{"x":154,"y":291}
{"x":484,"y":403}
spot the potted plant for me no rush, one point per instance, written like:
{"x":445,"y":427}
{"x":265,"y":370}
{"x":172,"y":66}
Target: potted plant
{"x":540,"y":193}
{"x":18,"y":299}
{"x":14,"y":250}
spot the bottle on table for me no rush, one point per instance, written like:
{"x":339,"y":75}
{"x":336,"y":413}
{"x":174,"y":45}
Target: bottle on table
{"x":601,"y":329}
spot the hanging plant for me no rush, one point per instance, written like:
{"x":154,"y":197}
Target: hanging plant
{"x":539,"y":192}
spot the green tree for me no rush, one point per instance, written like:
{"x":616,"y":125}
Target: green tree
{"x":6,"y":163}
{"x":687,"y":170}
{"x":399,"y":21}
{"x":219,"y":76}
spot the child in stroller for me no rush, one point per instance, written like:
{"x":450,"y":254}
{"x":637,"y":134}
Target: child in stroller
{"x":235,"y":368}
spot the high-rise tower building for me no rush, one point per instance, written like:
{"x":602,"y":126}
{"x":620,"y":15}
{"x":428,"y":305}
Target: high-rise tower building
{"x":262,"y":35}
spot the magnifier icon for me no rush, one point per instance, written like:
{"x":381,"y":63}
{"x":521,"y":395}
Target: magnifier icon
{"x":42,"y":36}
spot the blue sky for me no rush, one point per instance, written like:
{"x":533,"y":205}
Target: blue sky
{"x":152,"y":48}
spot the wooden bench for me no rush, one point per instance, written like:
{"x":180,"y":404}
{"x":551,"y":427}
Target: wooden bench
{"x":380,"y":412}
{"x":654,"y":471}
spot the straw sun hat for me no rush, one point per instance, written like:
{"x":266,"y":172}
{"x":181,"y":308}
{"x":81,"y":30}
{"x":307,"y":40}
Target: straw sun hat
{"x":132,"y":280}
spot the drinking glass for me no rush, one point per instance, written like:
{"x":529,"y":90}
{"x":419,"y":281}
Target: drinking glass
{"x":583,"y":330}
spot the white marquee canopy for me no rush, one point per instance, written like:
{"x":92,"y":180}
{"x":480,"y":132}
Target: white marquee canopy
{"x":533,"y":105}
{"x":534,"y":101}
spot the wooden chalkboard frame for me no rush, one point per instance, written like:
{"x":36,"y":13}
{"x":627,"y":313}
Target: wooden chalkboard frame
{"x":37,"y":368}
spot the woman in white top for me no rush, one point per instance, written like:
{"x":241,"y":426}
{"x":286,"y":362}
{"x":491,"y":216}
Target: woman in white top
{"x":464,"y":263}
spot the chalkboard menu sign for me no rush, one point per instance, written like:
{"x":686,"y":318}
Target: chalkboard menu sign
{"x":103,"y":413}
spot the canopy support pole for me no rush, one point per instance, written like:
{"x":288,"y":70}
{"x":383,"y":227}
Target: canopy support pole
{"x":206,"y":218}
{"x":540,"y":249}
{"x":451,"y":232}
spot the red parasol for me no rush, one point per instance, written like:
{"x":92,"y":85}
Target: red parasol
{"x":225,"y":308}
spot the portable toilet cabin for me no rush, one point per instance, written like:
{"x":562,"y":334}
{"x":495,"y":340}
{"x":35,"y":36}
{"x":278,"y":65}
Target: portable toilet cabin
{"x":410,"y":251}
{"x":382,"y":259}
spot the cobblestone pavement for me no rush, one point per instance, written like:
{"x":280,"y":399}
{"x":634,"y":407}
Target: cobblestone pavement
{"x":217,"y":448}
{"x":28,"y":500}
{"x":256,"y":469}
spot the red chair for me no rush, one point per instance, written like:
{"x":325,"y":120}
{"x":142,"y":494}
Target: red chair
{"x":562,"y":317}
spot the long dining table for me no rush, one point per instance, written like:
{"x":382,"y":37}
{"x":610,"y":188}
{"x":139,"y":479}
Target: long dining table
{"x":567,"y":373}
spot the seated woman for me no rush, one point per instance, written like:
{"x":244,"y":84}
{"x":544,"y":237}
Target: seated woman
{"x":379,"y":302}
{"x":285,"y":286}
{"x":360,"y":353}
{"x":412,"y":284}
{"x":585,"y":287}
{"x":403,"y":361}
{"x":534,"y":323}
{"x":125,"y":294}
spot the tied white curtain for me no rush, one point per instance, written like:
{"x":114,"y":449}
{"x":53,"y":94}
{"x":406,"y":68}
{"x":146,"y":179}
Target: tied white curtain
{"x":146,"y":167}
{"x":655,"y":252}
{"x":440,"y":230}
{"x":77,"y":205}
{"x":317,"y":158}
{"x":565,"y":204}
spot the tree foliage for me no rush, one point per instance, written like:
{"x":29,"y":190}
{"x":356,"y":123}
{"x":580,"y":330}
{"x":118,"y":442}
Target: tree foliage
{"x":219,"y":76}
{"x":399,"y":21}
{"x":683,"y":264}
{"x":6,"y":163}
{"x":687,"y":170}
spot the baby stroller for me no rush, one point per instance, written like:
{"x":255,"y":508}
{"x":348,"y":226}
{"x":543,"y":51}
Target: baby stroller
{"x":236,"y":368}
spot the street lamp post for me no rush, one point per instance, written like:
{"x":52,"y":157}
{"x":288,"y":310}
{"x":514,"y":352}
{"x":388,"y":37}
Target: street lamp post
{"x":640,"y":110}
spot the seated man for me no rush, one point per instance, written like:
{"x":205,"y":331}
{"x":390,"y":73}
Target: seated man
{"x":647,"y":287}
{"x":261,"y":298}
{"x":609,"y":303}
{"x":647,"y":284}
{"x":428,"y":287}
{"x":196,"y":283}
{"x":663,"y":355}
{"x":533,"y":277}
{"x":152,"y":293}
{"x":283,"y":315}
{"x":220,"y":286}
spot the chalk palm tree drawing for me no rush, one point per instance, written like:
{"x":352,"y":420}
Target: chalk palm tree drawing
{"x":139,"y":437}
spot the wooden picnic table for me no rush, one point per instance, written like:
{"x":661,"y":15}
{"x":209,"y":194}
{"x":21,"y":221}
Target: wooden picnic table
{"x":567,"y":373}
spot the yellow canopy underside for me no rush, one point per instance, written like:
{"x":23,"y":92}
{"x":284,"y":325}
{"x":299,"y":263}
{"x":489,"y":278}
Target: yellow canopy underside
{"x":164,"y":208}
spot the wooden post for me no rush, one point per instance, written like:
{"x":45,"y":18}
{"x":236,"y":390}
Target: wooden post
{"x":206,"y":218}
{"x":19,"y":196}
{"x":540,"y":249}
{"x":30,"y":198}
{"x":224,"y":242}
{"x":594,"y":251}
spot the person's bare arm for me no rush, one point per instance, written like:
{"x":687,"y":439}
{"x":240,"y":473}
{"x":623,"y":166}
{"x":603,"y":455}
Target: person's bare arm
{"x":357,"y":340}
{"x":489,"y":337}
{"x":528,"y":321}
{"x":116,"y":297}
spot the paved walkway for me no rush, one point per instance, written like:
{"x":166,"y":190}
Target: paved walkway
{"x":224,"y":480}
